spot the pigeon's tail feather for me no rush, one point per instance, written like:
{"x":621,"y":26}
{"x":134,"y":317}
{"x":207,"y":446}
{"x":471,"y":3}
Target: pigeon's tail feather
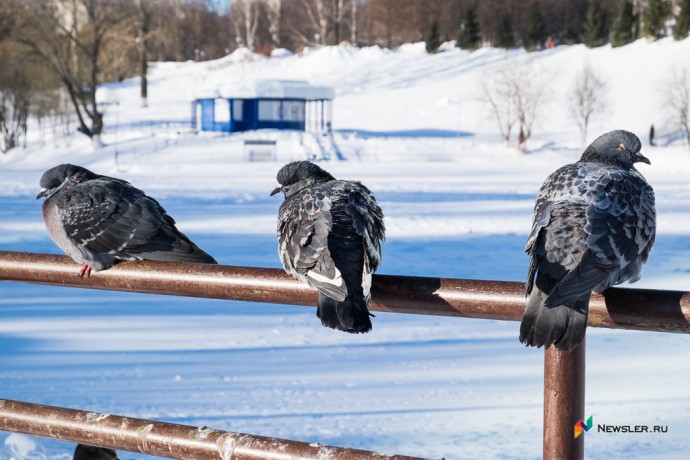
{"x":348,"y":315}
{"x":172,"y":246}
{"x":578,"y":283}
{"x":562,"y":326}
{"x":193,"y":254}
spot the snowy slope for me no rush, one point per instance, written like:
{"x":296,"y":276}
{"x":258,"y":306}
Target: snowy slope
{"x":458,"y":203}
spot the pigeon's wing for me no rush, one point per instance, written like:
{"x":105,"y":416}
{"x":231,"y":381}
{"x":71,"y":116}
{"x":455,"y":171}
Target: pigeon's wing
{"x":620,"y":223}
{"x":367,"y":219}
{"x":304,"y":225}
{"x":112,"y":217}
{"x":553,"y":200}
{"x":563,"y":257}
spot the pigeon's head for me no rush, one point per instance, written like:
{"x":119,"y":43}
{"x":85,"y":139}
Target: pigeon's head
{"x":298,"y":175}
{"x":56,"y":178}
{"x":615,"y":148}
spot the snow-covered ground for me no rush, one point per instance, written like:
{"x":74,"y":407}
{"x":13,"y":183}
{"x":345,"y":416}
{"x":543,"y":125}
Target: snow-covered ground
{"x":458,"y":203}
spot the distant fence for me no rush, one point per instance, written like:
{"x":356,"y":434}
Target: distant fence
{"x":564,"y":378}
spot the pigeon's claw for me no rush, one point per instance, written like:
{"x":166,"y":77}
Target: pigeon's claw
{"x":85,"y":270}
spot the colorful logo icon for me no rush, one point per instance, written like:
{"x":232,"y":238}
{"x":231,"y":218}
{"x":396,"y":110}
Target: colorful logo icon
{"x":580,"y":426}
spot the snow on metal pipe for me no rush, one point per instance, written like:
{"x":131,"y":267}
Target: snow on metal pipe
{"x":161,"y":439}
{"x":639,"y":309}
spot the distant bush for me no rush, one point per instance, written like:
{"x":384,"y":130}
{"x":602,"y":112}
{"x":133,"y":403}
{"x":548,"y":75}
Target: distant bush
{"x":433,"y":39}
{"x":654,"y":18}
{"x":680,"y":32}
{"x":622,"y":32}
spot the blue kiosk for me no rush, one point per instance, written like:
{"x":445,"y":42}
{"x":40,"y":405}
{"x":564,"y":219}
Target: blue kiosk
{"x":266,"y":104}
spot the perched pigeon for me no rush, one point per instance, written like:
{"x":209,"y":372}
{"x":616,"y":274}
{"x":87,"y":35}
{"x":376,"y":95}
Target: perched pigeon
{"x":84,"y":452}
{"x":330,"y":233}
{"x":99,"y":220}
{"x":594,"y":226}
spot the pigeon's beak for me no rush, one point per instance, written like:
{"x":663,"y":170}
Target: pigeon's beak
{"x":639,"y":158}
{"x":42,"y":193}
{"x":276,"y":190}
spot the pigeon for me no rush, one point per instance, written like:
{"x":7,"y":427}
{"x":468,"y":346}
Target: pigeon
{"x":330,"y":233}
{"x":99,"y":220}
{"x":594,"y":226}
{"x":84,"y":452}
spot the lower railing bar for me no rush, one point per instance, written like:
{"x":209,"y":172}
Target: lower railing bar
{"x":564,"y":403}
{"x":639,"y":309}
{"x":161,"y":439}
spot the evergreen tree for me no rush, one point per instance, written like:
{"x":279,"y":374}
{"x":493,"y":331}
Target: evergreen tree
{"x":433,"y":40}
{"x":536,"y":28}
{"x":469,"y":37}
{"x":506,"y":37}
{"x":596,"y":26}
{"x":654,"y":18}
{"x":622,"y":31}
{"x":682,"y":21}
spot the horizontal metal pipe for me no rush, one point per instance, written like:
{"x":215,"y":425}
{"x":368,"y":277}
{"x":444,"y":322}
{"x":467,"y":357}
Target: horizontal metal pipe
{"x":639,"y":309}
{"x":168,"y":440}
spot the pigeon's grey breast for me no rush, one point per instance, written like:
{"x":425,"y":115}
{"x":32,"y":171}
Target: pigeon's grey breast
{"x":621,"y":221}
{"x":56,"y":230}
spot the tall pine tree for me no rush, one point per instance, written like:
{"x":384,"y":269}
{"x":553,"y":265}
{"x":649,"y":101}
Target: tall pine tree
{"x":536,"y":28}
{"x":622,"y":31}
{"x":596,"y":31}
{"x":506,"y":36}
{"x":682,"y":28}
{"x":433,"y":39}
{"x":654,"y":18}
{"x":469,"y":37}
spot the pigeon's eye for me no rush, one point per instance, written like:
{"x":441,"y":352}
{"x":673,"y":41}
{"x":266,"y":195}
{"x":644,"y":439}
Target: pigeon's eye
{"x":621,"y":147}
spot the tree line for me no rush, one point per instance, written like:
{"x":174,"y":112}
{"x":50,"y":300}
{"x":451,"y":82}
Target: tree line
{"x":54,"y":53}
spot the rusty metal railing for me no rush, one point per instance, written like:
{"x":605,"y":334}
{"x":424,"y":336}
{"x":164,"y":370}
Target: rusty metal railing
{"x":638,"y":309}
{"x":619,"y":309}
{"x":168,"y":440}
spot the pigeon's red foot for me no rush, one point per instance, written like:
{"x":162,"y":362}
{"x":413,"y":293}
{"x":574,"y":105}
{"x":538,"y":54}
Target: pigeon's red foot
{"x":85,"y":270}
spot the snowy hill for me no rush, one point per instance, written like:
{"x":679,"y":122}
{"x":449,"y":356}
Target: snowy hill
{"x":414,"y":128}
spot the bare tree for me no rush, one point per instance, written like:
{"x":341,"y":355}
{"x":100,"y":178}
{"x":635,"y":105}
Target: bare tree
{"x":69,"y":37}
{"x":273,"y":13}
{"x":529,"y":95}
{"x":15,"y":103}
{"x":246,"y":15}
{"x":338,"y":8}
{"x":391,"y":22}
{"x":515,"y":98}
{"x":353,"y":22}
{"x":144,"y":13}
{"x":498,"y":94}
{"x":323,"y":22}
{"x":587,"y":99}
{"x":316,"y":13}
{"x":189,"y":29}
{"x":676,"y":100}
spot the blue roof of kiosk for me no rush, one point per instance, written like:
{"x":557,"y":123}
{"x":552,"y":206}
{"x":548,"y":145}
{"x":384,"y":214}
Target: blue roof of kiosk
{"x":271,"y":89}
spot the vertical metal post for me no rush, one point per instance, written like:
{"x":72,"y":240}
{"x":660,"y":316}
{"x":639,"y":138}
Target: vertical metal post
{"x":564,"y":403}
